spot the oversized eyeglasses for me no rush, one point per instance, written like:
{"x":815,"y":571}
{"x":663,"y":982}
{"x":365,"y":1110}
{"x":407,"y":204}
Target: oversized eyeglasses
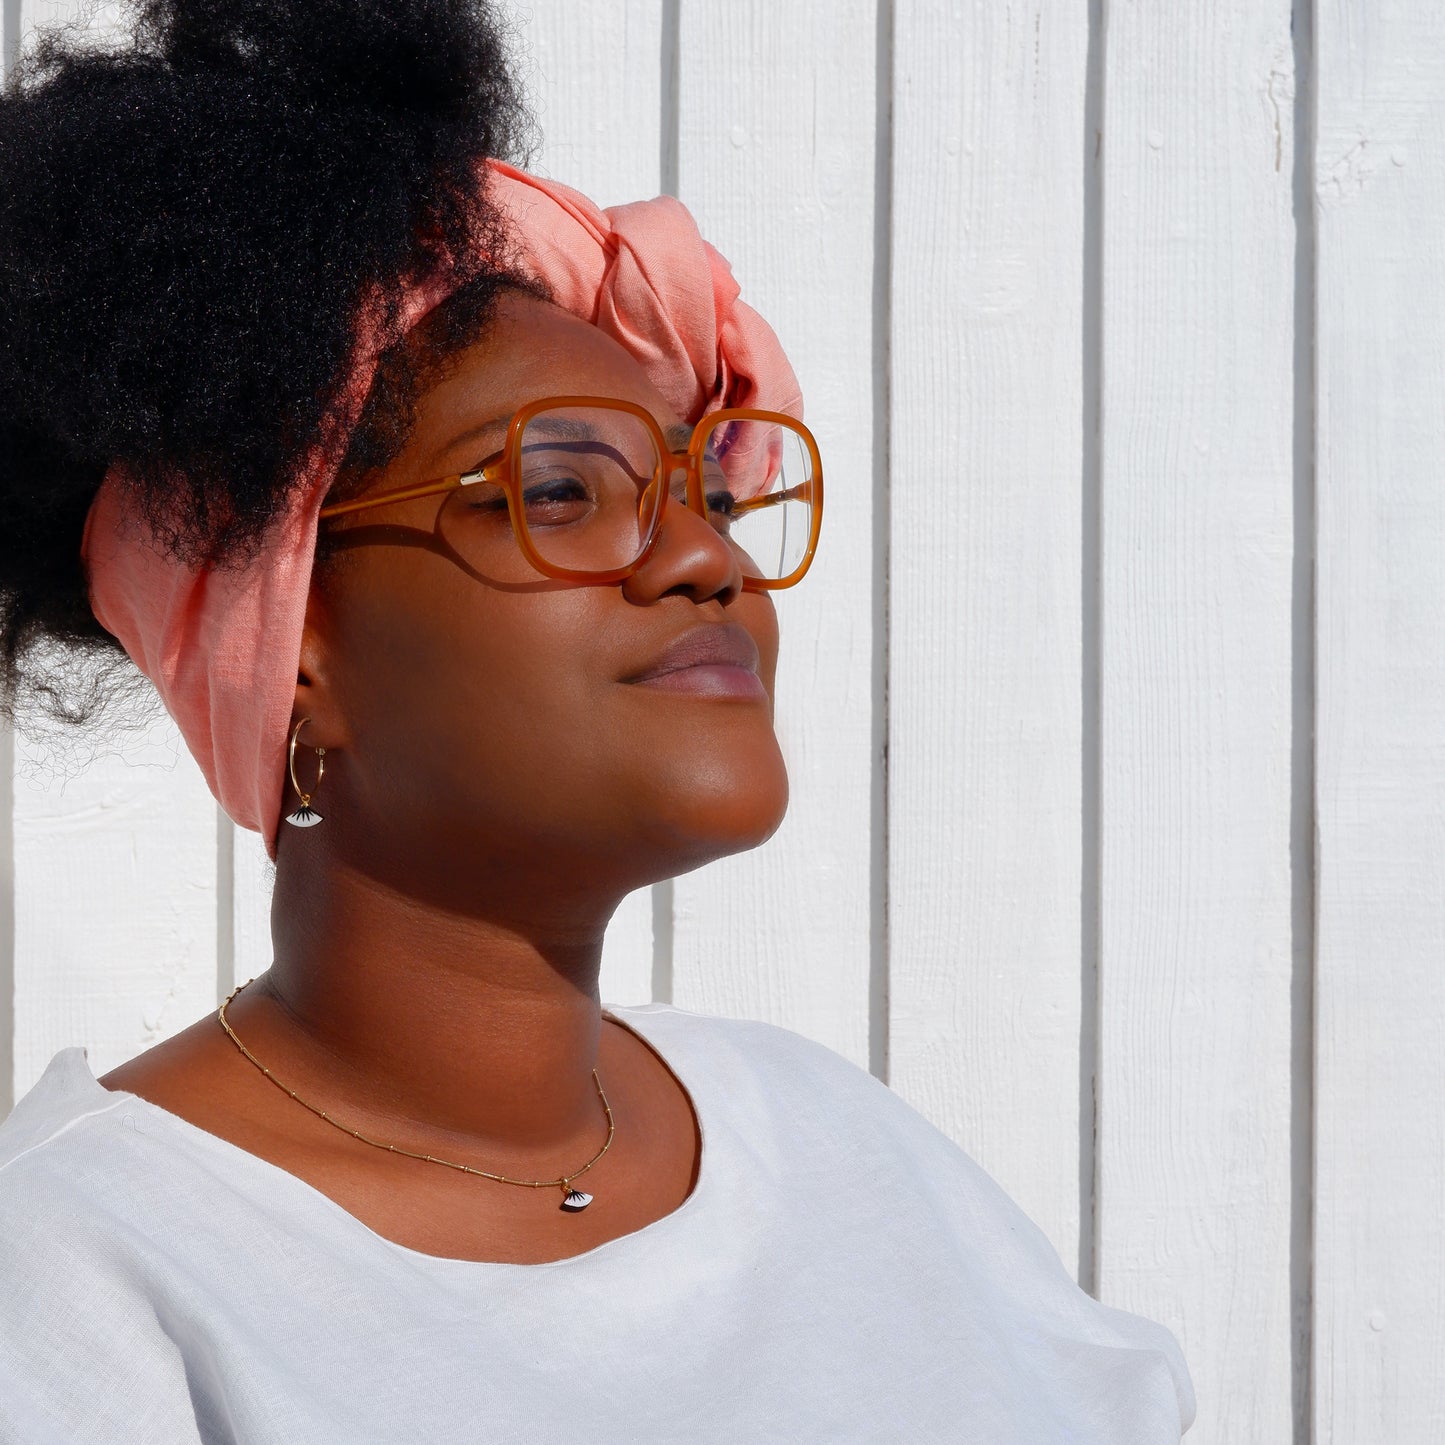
{"x":579,"y":489}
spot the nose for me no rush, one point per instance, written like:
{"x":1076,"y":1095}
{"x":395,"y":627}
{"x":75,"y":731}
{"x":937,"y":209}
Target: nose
{"x":690,"y":558}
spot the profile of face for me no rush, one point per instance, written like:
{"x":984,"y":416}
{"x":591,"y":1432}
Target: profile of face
{"x":494,"y":743}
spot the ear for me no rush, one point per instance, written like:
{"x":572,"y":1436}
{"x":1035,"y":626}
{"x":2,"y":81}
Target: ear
{"x":317,"y":695}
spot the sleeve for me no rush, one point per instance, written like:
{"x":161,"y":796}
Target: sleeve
{"x":84,"y":1359}
{"x":1119,"y":1365}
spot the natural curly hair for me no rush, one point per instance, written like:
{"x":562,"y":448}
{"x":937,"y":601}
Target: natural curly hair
{"x":188,"y":219}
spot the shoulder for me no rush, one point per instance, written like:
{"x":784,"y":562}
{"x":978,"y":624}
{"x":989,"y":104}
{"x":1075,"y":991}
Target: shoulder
{"x":59,"y":1180}
{"x":936,"y":1213}
{"x":794,"y":1066}
{"x":84,"y":1350}
{"x":754,"y":1039}
{"x":84,"y":1189}
{"x":56,"y":1117}
{"x":821,"y":1097}
{"x":761,"y":1061}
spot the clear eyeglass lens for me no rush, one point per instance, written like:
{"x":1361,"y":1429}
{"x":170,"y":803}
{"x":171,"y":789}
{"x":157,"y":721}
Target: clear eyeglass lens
{"x":586,"y":503}
{"x":758,"y":477}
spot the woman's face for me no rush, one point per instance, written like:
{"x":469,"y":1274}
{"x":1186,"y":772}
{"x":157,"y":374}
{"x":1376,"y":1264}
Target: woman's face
{"x":490,"y":744}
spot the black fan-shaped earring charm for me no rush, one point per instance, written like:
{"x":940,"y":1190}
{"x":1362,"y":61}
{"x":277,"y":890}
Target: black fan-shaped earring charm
{"x":305,"y":816}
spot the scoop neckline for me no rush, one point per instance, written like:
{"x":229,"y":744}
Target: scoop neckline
{"x":312,"y":1197}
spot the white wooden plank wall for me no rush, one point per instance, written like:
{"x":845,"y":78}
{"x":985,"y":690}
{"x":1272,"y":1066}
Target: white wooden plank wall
{"x":984,"y":718}
{"x":1195,"y":491}
{"x":1065,"y":865}
{"x":1380,"y":1244}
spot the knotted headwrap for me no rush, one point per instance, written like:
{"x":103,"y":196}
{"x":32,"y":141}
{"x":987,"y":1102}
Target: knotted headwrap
{"x":222,"y":646}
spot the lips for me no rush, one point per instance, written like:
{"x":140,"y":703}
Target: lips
{"x":715,"y":659}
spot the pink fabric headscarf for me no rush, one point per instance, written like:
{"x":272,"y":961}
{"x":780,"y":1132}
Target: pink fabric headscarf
{"x":222,"y":646}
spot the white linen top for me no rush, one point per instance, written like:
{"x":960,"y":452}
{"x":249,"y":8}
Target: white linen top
{"x":842,"y":1271}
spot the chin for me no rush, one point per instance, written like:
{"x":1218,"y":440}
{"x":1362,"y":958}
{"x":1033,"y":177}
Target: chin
{"x":721,"y":811}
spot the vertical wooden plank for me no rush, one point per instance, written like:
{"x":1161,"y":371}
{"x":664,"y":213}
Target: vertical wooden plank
{"x":115,"y":898}
{"x":1380,"y":988}
{"x":984,"y":713}
{"x":10,"y":25}
{"x":252,"y":876}
{"x":596,"y":82}
{"x":627,"y":951}
{"x":776,"y":159}
{"x":1194,"y":1155}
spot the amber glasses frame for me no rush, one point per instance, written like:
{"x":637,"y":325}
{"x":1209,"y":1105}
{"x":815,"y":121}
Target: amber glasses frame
{"x":504,"y":469}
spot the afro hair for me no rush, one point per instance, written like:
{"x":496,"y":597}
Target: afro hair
{"x":189,"y":218}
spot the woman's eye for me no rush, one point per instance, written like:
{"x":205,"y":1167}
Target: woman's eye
{"x":720,"y":509}
{"x":490,"y":499}
{"x":556,"y":501}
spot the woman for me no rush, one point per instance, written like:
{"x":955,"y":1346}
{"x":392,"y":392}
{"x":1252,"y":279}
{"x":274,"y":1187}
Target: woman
{"x":444,"y":511}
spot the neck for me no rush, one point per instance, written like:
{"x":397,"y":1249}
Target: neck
{"x":475,"y":1031}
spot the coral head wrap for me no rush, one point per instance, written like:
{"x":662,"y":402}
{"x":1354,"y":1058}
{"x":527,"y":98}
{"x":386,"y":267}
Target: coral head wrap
{"x":222,"y":646}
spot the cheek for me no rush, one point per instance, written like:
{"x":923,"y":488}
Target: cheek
{"x":484,"y":721}
{"x":463,"y":698}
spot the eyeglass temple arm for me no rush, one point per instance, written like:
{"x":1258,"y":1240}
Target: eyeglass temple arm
{"x":405,"y":494}
{"x":800,"y":493}
{"x":485,"y":473}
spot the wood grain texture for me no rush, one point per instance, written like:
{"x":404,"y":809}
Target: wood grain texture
{"x":984,"y":647}
{"x":596,"y":80}
{"x":1196,"y":476}
{"x":115,"y":900}
{"x":1380,"y":989}
{"x":253,"y":876}
{"x":594,"y":71}
{"x":776,"y":159}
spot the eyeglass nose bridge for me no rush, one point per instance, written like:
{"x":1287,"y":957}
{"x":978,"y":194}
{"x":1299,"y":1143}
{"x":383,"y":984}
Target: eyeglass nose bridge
{"x":652,"y":501}
{"x":686,"y":468}
{"x":674,"y":468}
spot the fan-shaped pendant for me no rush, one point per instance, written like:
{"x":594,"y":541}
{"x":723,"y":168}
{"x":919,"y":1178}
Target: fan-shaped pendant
{"x":304,"y":817}
{"x":575,"y":1199}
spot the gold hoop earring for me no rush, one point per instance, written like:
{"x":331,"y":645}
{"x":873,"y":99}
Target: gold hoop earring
{"x":305,"y":816}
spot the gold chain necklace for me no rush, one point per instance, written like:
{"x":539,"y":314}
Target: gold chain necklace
{"x":573,"y":1200}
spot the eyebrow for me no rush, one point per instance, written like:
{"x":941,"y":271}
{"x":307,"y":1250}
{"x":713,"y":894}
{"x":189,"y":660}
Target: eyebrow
{"x":677,"y":436}
{"x":476,"y":433}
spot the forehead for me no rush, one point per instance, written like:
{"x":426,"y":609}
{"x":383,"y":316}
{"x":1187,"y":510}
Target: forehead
{"x":532,"y":349}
